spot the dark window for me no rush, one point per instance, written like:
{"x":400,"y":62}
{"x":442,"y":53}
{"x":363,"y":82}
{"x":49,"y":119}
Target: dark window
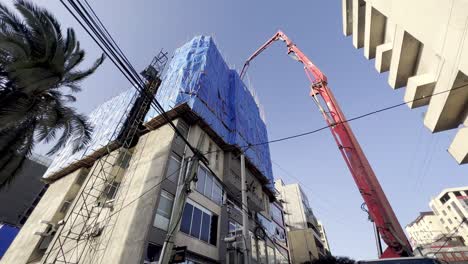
{"x":444,"y":198}
{"x":153,"y":252}
{"x":205,"y":228}
{"x":186,"y":218}
{"x":196,"y":222}
{"x":214,"y":229}
{"x":457,"y":193}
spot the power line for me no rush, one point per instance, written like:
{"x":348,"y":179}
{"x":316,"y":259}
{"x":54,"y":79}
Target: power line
{"x":451,"y":236}
{"x":345,"y":121}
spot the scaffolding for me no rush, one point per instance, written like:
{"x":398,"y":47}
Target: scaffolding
{"x":85,"y":232}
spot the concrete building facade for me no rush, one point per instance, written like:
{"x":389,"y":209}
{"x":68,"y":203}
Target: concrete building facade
{"x":306,"y":235}
{"x":211,"y":213}
{"x":423,"y":45}
{"x":451,"y":207}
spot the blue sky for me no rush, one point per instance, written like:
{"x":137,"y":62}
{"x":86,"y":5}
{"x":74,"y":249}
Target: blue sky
{"x":411,"y":163}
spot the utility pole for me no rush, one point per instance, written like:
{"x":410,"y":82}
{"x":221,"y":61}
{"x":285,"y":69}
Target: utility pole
{"x":183,"y":190}
{"x":245,"y":216}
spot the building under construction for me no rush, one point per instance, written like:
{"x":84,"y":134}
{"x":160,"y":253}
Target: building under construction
{"x":112,"y":201}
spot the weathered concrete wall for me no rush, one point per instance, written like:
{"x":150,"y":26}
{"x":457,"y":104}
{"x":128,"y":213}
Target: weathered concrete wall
{"x":302,"y":245}
{"x":424,"y":46}
{"x":24,"y":247}
{"x":128,"y":241}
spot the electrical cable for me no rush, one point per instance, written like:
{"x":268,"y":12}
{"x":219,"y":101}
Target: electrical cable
{"x":345,"y":121}
{"x":455,"y":231}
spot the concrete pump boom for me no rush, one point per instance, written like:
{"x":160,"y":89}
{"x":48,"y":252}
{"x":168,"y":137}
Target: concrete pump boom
{"x":380,"y":211}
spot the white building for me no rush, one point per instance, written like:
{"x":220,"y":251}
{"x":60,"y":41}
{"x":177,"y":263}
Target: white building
{"x":306,"y":235}
{"x":425,"y":229}
{"x":424,"y":46}
{"x":451,"y":207}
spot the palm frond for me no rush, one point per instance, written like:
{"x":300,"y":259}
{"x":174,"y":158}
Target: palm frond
{"x":77,"y":76}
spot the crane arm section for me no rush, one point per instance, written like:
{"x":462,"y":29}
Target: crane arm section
{"x":380,"y":210}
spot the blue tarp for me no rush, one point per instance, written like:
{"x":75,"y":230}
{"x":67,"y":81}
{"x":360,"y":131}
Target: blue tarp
{"x":199,"y":76}
{"x":7,"y":235}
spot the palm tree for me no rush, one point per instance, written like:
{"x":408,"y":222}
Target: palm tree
{"x":38,"y":76}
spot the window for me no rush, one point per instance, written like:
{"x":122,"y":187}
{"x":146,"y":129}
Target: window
{"x":163,"y":213}
{"x":173,"y":168}
{"x":153,"y":253}
{"x":449,"y":220}
{"x":199,"y":223}
{"x":233,"y":226}
{"x":444,"y":213}
{"x":276,"y":214}
{"x":444,"y":198}
{"x":457,"y":194}
{"x":209,"y":186}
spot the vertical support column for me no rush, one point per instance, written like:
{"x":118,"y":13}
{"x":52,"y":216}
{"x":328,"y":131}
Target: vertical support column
{"x":245,"y":216}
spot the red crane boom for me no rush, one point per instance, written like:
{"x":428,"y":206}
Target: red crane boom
{"x":380,"y":211}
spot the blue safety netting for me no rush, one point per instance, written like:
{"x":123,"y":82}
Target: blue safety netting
{"x":107,"y":121}
{"x":198,"y":76}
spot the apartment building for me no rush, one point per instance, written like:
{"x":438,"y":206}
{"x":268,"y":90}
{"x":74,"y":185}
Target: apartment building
{"x":114,"y":204}
{"x":425,"y":229}
{"x":442,"y":232}
{"x":451,"y":207}
{"x":423,"y":46}
{"x":306,"y":235}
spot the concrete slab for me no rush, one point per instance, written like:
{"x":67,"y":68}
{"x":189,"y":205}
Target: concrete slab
{"x":459,"y":146}
{"x":359,"y":19}
{"x":383,"y":57}
{"x":374,"y":33}
{"x":405,"y":56}
{"x":419,"y":90}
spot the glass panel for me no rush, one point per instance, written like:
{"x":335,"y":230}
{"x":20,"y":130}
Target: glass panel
{"x":163,"y":213}
{"x":161,"y":222}
{"x":208,"y":185}
{"x":186,"y":219}
{"x":217,"y":193}
{"x":205,"y":228}
{"x":201,"y":179}
{"x":173,"y":168}
{"x":196,"y":223}
{"x":165,"y":204}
